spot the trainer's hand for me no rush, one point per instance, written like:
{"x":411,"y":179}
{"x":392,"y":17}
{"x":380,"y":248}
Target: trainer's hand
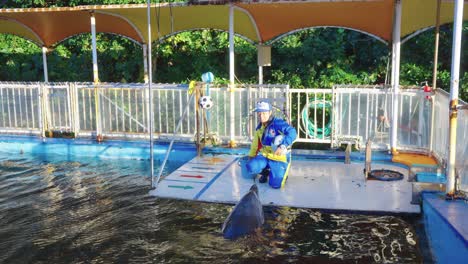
{"x":280,"y":150}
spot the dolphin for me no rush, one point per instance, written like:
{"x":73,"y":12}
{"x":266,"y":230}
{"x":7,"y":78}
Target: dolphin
{"x":246,"y":216}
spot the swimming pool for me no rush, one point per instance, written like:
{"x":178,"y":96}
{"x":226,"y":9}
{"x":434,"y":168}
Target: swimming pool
{"x":94,"y":207}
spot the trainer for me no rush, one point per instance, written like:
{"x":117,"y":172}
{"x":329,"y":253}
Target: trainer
{"x":270,"y":150}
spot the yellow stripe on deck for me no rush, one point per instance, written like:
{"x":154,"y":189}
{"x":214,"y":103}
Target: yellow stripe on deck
{"x":411,"y":159}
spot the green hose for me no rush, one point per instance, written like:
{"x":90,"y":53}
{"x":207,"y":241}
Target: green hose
{"x":309,"y":126}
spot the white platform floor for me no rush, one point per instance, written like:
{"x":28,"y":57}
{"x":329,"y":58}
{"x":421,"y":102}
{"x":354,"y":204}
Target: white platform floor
{"x":311,"y":184}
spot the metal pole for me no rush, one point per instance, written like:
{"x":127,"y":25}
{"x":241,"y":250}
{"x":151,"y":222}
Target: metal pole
{"x":145,"y":62}
{"x":150,"y":97}
{"x":454,"y":83}
{"x":40,"y":108}
{"x":44,"y":62}
{"x":96,"y":79}
{"x":260,"y":75}
{"x":231,"y":74}
{"x":168,"y":151}
{"x":434,"y":72}
{"x":93,"y":41}
{"x":396,"y":74}
{"x":436,"y":47}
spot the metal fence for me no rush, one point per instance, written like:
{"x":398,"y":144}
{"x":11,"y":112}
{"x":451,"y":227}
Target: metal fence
{"x":462,"y":148}
{"x":20,"y":108}
{"x":334,"y":116}
{"x":440,"y":141}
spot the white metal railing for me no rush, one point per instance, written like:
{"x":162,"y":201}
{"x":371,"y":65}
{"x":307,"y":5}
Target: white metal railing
{"x":311,"y":114}
{"x":362,"y":113}
{"x":333,"y":116}
{"x":414,"y":120}
{"x":341,"y":114}
{"x":441,"y":124}
{"x":20,"y":108}
{"x":462,"y":148}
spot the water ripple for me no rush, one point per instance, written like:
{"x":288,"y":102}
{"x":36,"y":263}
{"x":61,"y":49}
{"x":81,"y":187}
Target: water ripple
{"x":96,"y":211}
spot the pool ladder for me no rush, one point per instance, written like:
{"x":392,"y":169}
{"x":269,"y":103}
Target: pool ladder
{"x":154,"y":183}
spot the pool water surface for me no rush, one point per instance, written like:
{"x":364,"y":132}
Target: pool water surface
{"x":89,"y":210}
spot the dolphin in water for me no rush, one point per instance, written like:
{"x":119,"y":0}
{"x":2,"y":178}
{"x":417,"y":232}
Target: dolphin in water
{"x":246,"y":216}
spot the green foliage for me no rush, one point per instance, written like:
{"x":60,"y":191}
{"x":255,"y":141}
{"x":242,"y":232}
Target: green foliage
{"x":20,"y":59}
{"x":417,"y":57}
{"x":325,"y":57}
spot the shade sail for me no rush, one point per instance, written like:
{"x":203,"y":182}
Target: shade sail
{"x":273,"y":20}
{"x":259,"y":22}
{"x":419,"y":15}
{"x":170,"y":19}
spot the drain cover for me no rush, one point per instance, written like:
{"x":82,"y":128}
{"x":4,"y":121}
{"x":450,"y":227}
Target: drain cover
{"x":385,"y":175}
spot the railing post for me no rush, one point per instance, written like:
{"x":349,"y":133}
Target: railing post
{"x":453,"y":107}
{"x":74,"y":109}
{"x":45,"y":108}
{"x":232,"y":142}
{"x":396,"y":41}
{"x":40,"y":98}
{"x":334,"y":115}
{"x":99,"y":137}
{"x":69,"y":107}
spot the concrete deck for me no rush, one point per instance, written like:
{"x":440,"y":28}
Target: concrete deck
{"x":314,"y":184}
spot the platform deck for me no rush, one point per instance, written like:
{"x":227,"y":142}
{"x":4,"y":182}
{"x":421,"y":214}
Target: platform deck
{"x":317,"y":184}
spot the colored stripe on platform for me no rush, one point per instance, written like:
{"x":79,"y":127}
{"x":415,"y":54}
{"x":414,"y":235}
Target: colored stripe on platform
{"x":214,"y":179}
{"x":414,"y":159}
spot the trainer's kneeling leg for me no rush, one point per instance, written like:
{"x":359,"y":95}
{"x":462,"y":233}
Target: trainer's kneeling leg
{"x":278,"y":175}
{"x":256,"y":164}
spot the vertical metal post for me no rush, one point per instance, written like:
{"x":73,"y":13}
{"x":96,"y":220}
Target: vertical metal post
{"x":396,"y":74}
{"x":260,"y":75}
{"x":93,"y":41}
{"x":454,"y":83}
{"x":76,"y":114}
{"x":436,"y":46}
{"x":368,"y":161}
{"x":348,"y":154}
{"x":421,"y":123}
{"x":434,"y":72}
{"x":44,"y":62}
{"x":96,"y":79}
{"x":150,"y":97}
{"x":69,"y":124}
{"x":41,"y":112}
{"x":197,"y":120}
{"x":145,"y":62}
{"x":231,"y":74}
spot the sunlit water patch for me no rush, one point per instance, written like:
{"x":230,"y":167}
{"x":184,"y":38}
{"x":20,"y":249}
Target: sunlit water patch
{"x":99,"y":211}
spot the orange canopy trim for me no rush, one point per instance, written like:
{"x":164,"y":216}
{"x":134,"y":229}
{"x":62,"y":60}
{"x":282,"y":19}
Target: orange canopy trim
{"x":257,"y":21}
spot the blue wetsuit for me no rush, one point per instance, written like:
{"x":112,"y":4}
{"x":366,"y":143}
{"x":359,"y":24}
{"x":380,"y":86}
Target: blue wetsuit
{"x":263,"y":155}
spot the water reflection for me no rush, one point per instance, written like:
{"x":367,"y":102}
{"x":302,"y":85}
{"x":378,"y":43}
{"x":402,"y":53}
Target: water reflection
{"x":99,"y":212}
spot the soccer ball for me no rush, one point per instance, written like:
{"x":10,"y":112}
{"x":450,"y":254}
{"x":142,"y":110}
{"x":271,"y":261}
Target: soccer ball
{"x":205,"y":102}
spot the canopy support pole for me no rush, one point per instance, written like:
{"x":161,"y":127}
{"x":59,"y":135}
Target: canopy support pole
{"x":260,"y":75}
{"x":434,"y":72}
{"x":96,"y":79}
{"x":232,"y":143}
{"x":454,"y":83}
{"x":396,"y":74}
{"x":436,"y":46}
{"x":44,"y":62}
{"x":150,"y":95}
{"x":93,"y":41}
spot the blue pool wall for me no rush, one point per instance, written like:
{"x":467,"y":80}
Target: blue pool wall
{"x":70,"y":149}
{"x":446,"y":224}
